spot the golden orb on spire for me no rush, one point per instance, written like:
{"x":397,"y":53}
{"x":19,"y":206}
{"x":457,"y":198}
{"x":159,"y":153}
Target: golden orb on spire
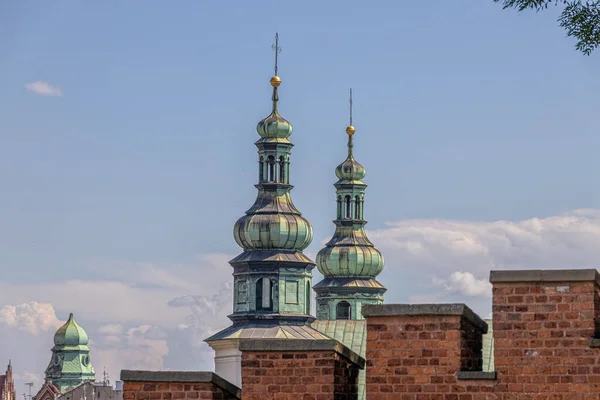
{"x":350,"y":130}
{"x":275,"y":81}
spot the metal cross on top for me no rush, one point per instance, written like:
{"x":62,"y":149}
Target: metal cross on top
{"x":277,"y":50}
{"x":350,"y":106}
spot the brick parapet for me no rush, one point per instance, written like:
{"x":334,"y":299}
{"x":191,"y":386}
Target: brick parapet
{"x":174,"y":385}
{"x":545,"y":324}
{"x":299,"y":369}
{"x":418,"y":350}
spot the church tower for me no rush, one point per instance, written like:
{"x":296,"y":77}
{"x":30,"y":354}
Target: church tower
{"x":349,"y":262}
{"x":272,"y":276}
{"x":70,"y":365}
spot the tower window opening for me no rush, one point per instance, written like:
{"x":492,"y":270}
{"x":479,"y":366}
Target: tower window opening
{"x":271,"y":161}
{"x":307,"y":298}
{"x":342,"y":310}
{"x":339,"y":207}
{"x":261,"y":169}
{"x":357,"y":207}
{"x":264,"y":294}
{"x":281,"y":169}
{"x":348,"y":207}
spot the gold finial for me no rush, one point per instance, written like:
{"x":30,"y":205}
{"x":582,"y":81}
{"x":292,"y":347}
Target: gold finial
{"x":350,"y":129}
{"x":275,"y":81}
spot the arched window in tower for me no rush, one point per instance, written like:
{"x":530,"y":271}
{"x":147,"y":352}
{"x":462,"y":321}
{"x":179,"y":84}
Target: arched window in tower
{"x":307,"y":284}
{"x":339,"y":207}
{"x":261,"y":169}
{"x":271,"y":162}
{"x":281,"y":169}
{"x":348,"y":207}
{"x":264,"y":295}
{"x":342,"y":310}
{"x":357,"y":210}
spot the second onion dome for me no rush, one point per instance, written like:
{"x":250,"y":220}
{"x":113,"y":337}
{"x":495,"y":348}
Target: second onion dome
{"x":350,"y":253}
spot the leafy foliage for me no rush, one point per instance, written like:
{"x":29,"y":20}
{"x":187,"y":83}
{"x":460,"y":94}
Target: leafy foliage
{"x":581,"y":19}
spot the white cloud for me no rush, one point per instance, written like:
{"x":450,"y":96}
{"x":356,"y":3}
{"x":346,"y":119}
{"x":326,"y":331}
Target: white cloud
{"x":450,"y":260}
{"x":31,"y":317}
{"x":128,"y":293}
{"x":141,"y":347}
{"x":465,"y":283}
{"x":126,"y":313}
{"x":43,"y":88}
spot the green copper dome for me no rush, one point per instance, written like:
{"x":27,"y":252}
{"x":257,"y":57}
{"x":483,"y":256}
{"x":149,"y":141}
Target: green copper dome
{"x":273,"y":231}
{"x":274,"y":126}
{"x":350,"y":170}
{"x":350,"y":254}
{"x":70,"y":364}
{"x":71,"y":334}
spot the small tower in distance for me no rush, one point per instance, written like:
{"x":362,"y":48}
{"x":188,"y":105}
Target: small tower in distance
{"x":70,"y":365}
{"x":349,"y":262}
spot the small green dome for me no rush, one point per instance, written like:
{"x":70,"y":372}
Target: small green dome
{"x":274,"y":127}
{"x":350,"y":170}
{"x":273,"y":231}
{"x":354,"y":261}
{"x":71,"y":334}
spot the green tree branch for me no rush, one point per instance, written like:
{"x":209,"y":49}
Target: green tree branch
{"x":581,"y":19}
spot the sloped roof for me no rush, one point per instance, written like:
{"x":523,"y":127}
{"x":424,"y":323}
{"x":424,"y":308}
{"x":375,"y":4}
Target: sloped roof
{"x":488,"y":348}
{"x":352,"y":334}
{"x":261,"y":331}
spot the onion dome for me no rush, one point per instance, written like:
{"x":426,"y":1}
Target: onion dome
{"x":71,"y":334}
{"x":273,"y":231}
{"x":350,"y":169}
{"x":274,"y":126}
{"x":354,"y":261}
{"x":350,"y":253}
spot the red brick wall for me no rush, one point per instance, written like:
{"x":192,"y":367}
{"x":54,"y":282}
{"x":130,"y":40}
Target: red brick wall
{"x":306,"y":375}
{"x":417,"y":357}
{"x":543,"y":349}
{"x":173,"y":391}
{"x":542,"y":333}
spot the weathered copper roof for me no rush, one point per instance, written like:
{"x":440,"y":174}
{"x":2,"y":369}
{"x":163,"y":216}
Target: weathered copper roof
{"x":348,"y":283}
{"x":352,"y":334}
{"x":259,"y":331}
{"x":488,"y":348}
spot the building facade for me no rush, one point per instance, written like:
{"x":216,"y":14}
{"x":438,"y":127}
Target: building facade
{"x":7,"y":384}
{"x":70,"y":364}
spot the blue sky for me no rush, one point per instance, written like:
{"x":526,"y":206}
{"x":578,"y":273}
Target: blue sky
{"x":467,"y":116}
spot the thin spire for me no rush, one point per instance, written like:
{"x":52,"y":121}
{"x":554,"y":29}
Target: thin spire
{"x":350,"y":129}
{"x":275,"y":80}
{"x":275,"y":46}
{"x":350,"y":106}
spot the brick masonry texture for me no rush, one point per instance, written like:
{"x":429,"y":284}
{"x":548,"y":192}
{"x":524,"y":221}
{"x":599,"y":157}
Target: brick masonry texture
{"x":547,"y":347}
{"x":172,"y":388}
{"x":298,"y":375}
{"x":545,"y":323}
